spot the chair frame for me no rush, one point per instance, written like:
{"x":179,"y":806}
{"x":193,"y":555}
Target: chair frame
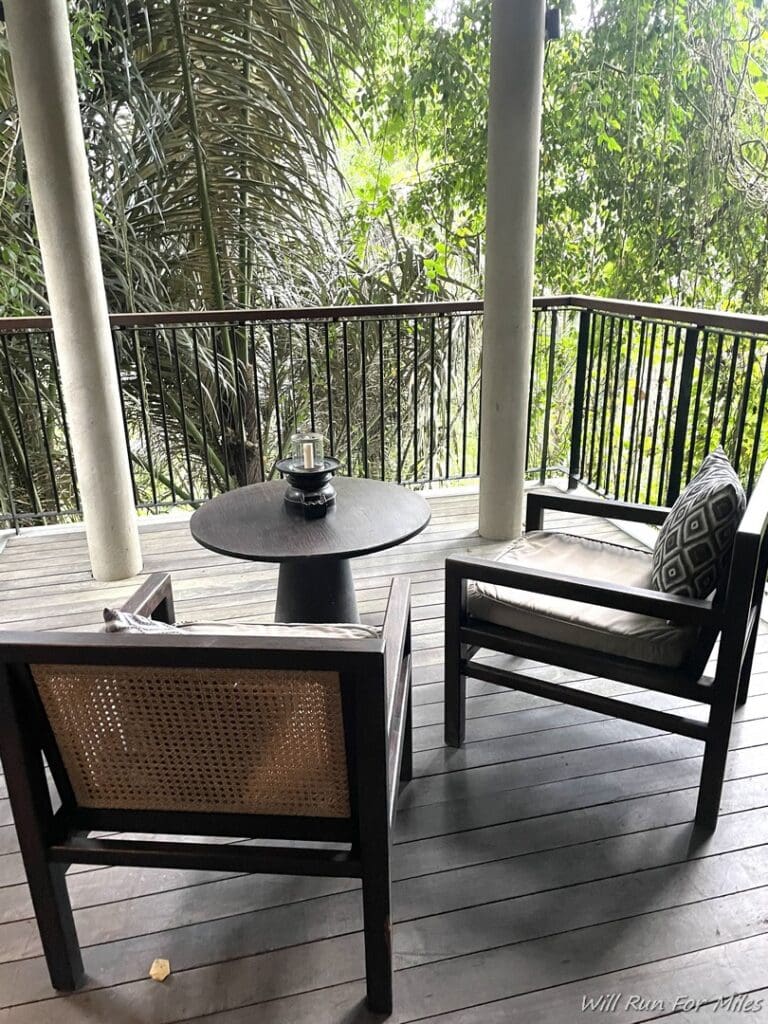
{"x":375,"y":684}
{"x":733,"y":612}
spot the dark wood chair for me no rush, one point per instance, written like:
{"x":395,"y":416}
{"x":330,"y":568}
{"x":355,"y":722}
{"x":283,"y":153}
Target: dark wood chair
{"x":669,"y":652}
{"x":272,"y":738}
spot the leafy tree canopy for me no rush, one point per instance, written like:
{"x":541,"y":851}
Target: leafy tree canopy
{"x":267,"y":154}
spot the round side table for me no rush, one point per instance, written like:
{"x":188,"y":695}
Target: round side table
{"x":315,"y":578}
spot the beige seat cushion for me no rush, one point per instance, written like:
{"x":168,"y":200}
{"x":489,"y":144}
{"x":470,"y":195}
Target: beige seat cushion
{"x":625,"y":634}
{"x":117,"y":621}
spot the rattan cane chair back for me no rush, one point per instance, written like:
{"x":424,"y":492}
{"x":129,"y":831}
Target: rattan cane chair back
{"x":193,"y":739}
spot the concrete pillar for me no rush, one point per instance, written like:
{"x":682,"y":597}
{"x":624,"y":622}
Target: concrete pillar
{"x":514,"y":127}
{"x":52,"y":132}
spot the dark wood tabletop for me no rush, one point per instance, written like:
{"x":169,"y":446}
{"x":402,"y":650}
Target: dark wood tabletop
{"x":254,"y":522}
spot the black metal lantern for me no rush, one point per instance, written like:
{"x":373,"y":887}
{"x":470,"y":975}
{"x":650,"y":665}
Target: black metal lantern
{"x":309,"y":472}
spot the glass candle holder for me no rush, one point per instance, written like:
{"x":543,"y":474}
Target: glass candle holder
{"x":309,"y":471}
{"x":307,"y":450}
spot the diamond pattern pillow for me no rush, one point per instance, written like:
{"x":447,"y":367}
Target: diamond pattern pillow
{"x":694,"y":545}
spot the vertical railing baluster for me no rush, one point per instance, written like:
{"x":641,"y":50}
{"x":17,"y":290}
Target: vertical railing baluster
{"x":348,"y":409}
{"x":682,"y":410}
{"x":579,"y":391}
{"x":646,"y":407}
{"x":380,"y":332}
{"x":257,"y":399}
{"x":23,"y":448}
{"x":164,"y":415}
{"x":310,"y":382}
{"x":479,"y":411}
{"x":415,"y":400}
{"x":431,"y":398}
{"x":364,"y":387}
{"x":614,"y":407}
{"x":620,"y":446}
{"x":744,"y":404}
{"x":589,"y":373}
{"x":467,"y":332}
{"x":543,"y":468}
{"x":123,"y":413}
{"x":8,"y":484}
{"x":183,"y":413}
{"x":238,"y":384}
{"x":328,"y":386}
{"x":143,"y":406}
{"x":598,"y":378}
{"x":726,"y":417}
{"x":448,"y":400}
{"x":295,"y":425}
{"x":276,"y":391}
{"x":633,"y":463}
{"x":203,"y":417}
{"x":657,"y":411}
{"x":43,"y":425}
{"x":609,"y":359}
{"x":399,"y":399}
{"x":223,"y":424}
{"x":531,"y":383}
{"x":665,"y":450}
{"x":713,"y":392}
{"x":702,"y":357}
{"x":758,"y":427}
{"x":63,"y":420}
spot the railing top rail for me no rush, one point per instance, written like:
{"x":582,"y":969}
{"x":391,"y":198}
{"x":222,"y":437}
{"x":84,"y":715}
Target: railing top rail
{"x":739,"y":323}
{"x":237,"y":316}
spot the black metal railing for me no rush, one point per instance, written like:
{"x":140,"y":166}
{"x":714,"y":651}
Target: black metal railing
{"x":656,"y":388}
{"x":625,"y":398}
{"x":209,"y":400}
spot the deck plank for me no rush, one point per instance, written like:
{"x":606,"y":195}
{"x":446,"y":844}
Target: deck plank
{"x":551,"y":859}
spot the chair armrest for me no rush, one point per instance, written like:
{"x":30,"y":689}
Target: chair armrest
{"x":537,"y":501}
{"x":682,"y":610}
{"x":396,"y":633}
{"x":154,"y":598}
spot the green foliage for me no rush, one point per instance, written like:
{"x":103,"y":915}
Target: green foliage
{"x":209,"y":127}
{"x":304,"y":152}
{"x":315,"y":152}
{"x":654,"y":158}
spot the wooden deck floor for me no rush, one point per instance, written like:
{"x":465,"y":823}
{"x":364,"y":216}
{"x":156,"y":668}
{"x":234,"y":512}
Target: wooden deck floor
{"x":549,"y":862}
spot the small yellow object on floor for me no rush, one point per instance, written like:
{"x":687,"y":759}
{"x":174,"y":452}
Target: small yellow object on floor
{"x":160,"y":970}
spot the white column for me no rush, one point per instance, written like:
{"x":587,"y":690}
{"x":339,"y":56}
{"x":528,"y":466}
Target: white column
{"x":514,"y":127}
{"x":52,"y":132}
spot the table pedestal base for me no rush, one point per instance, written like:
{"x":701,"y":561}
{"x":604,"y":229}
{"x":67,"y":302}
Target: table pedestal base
{"x":316,"y":590}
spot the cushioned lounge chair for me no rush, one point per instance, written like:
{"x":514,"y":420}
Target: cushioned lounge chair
{"x":589,"y":606}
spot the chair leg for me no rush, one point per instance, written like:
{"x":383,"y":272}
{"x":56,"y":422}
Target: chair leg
{"x":455,"y":705}
{"x":374,"y":841}
{"x":711,"y":784}
{"x":716,"y":750}
{"x":455,"y":694}
{"x":53,"y":910}
{"x":377,"y":925}
{"x":33,"y":815}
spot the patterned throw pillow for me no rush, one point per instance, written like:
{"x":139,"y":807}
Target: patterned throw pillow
{"x":694,"y":545}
